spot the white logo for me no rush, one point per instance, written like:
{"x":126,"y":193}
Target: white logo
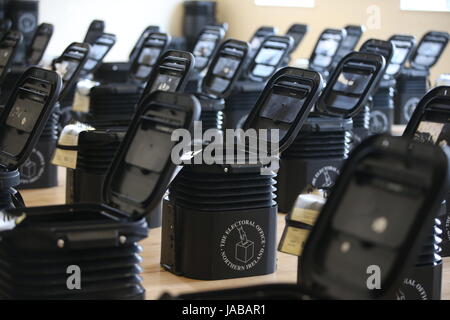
{"x":33,"y":168}
{"x":379,"y":122}
{"x":414,"y":291}
{"x":409,"y":107}
{"x":242,"y":245}
{"x":325,"y":177}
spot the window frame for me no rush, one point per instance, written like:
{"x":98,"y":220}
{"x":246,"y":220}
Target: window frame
{"x":286,"y":3}
{"x":405,"y":6}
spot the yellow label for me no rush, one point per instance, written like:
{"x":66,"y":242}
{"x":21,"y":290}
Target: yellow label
{"x":82,"y":98}
{"x":69,"y":138}
{"x":293,"y":241}
{"x":303,"y":215}
{"x":65,"y":158}
{"x":81,"y":102}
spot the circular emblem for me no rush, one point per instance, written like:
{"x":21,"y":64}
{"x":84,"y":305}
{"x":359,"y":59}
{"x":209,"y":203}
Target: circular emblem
{"x":447,"y":227}
{"x":379,"y":122}
{"x":33,"y":168}
{"x":409,"y":107}
{"x":27,"y":22}
{"x":242,"y":245}
{"x":325,"y":177}
{"x":411,"y":290}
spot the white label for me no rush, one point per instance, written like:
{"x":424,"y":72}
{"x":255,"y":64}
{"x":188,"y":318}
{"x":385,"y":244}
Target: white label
{"x":82,"y":98}
{"x":242,"y":245}
{"x":69,"y":138}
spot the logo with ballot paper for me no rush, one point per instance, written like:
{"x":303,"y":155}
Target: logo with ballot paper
{"x":33,"y":168}
{"x":242,"y":245}
{"x":325,"y":177}
{"x":412,"y":289}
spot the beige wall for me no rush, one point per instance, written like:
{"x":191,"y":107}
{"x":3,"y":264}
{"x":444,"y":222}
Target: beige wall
{"x":244,"y":17}
{"x":125,"y":18}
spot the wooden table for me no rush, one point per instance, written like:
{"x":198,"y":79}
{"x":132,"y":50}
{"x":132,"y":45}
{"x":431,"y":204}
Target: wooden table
{"x":158,"y":281}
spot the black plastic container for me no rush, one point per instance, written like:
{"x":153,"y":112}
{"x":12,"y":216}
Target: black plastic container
{"x":255,"y":42}
{"x":78,"y":103}
{"x":113,"y":72}
{"x":382,"y":114}
{"x":382,"y":111}
{"x":225,"y":68}
{"x":429,"y":124}
{"x":413,"y":82}
{"x":34,"y":55}
{"x":297,"y":32}
{"x":383,"y":180}
{"x":403,"y":183}
{"x":328,"y":45}
{"x":39,"y":43}
{"x":411,"y":86}
{"x":140,"y":42}
{"x":197,"y":15}
{"x":9,"y":73}
{"x":403,"y":48}
{"x":8,"y":48}
{"x":95,"y":152}
{"x":96,"y":29}
{"x":352,"y":37}
{"x":316,"y":155}
{"x":205,"y":48}
{"x":224,"y":215}
{"x":117,"y":72}
{"x":264,"y":64}
{"x":96,"y":149}
{"x":171,"y":72}
{"x":424,"y":279}
{"x":32,"y":101}
{"x":99,"y":239}
{"x":383,"y":106}
{"x":113,"y":104}
{"x":69,"y":66}
{"x":154,"y":46}
{"x":98,"y":51}
{"x":9,"y":196}
{"x":385,"y":49}
{"x":259,"y":37}
{"x":38,"y":171}
{"x":24,"y":15}
{"x":361,"y":125}
{"x":379,"y":109}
